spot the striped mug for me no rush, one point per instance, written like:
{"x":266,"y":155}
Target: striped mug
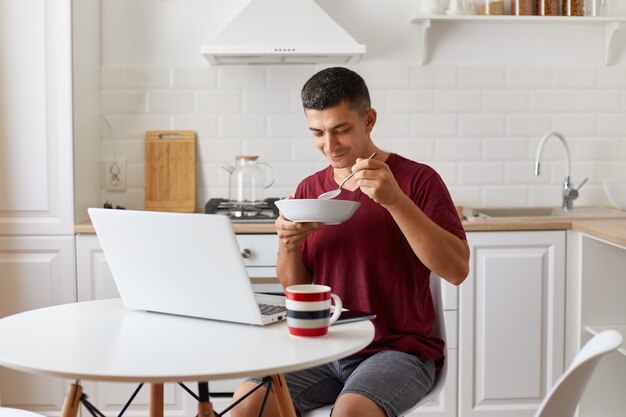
{"x":308,"y":309}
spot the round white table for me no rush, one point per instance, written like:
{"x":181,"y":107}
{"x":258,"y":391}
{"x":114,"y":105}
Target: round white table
{"x":104,"y":341}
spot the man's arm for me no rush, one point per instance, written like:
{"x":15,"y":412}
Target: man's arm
{"x":439,"y":250}
{"x":290,"y":268}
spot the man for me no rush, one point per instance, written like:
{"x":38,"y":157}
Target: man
{"x":379,"y":260}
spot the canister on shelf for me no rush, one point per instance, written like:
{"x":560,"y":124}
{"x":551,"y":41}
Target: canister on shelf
{"x":547,"y":8}
{"x":522,"y":7}
{"x":573,"y":8}
{"x":491,"y":7}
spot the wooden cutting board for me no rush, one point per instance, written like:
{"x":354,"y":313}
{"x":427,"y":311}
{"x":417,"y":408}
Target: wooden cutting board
{"x":170,"y":171}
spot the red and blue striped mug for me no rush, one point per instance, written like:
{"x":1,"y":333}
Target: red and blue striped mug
{"x":308,"y":309}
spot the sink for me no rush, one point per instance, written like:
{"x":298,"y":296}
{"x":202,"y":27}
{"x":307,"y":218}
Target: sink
{"x":520,"y":212}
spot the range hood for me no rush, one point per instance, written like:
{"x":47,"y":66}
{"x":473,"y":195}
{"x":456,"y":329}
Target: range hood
{"x":283,"y":32}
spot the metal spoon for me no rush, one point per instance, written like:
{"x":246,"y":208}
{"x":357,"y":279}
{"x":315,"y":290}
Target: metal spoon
{"x":334,"y":193}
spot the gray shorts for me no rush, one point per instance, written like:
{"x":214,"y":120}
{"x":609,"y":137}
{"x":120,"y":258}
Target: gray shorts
{"x":394,"y":380}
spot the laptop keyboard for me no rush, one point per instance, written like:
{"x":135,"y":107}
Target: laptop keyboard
{"x":269,"y":309}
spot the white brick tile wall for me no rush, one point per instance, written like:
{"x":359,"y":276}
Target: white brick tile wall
{"x":123,"y":101}
{"x":242,"y":76}
{"x":612,"y":124}
{"x":289,"y":76}
{"x":386,"y":76}
{"x":171,"y":102}
{"x":575,"y":124}
{"x":528,"y":77}
{"x":269,"y":150}
{"x":481,"y":77}
{"x":434,"y":125}
{"x":135,"y":126}
{"x":611,"y":76}
{"x":527,"y":124}
{"x":504,"y":149}
{"x":219,"y":101}
{"x":139,"y":77}
{"x":481,"y":125}
{"x":467,"y":149}
{"x":478,"y":126}
{"x":598,"y":101}
{"x":205,"y":125}
{"x":503,"y":196}
{"x":504,"y":101}
{"x":575,"y":77}
{"x":201,"y":77}
{"x":458,"y":101}
{"x":389,"y":125}
{"x":240,"y":126}
{"x":410,"y":101}
{"x":434,"y":77}
{"x":267,"y":101}
{"x":551,"y":101}
{"x":287,"y":126}
{"x":480,"y":173}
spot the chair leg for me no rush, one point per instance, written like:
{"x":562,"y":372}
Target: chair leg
{"x":71,"y":404}
{"x":283,"y":399}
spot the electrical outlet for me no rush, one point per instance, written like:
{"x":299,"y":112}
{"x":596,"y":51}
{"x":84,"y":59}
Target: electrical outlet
{"x":115,"y":175}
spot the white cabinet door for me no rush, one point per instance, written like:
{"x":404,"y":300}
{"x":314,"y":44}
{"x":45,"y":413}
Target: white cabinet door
{"x":35,"y":272}
{"x":511,"y":322}
{"x":36,"y":118}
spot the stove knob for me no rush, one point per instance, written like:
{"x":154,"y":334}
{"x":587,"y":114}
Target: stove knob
{"x":246,"y":253}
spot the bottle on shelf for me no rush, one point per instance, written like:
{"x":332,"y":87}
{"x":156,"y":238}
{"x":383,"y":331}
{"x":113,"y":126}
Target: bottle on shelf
{"x":573,"y":8}
{"x":491,"y":7}
{"x":547,"y":8}
{"x":522,"y":7}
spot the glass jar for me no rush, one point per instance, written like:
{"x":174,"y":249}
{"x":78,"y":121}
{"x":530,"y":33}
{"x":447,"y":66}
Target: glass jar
{"x":547,"y":8}
{"x":522,"y":7}
{"x":249,"y":179}
{"x":573,"y":7}
{"x":491,"y":7}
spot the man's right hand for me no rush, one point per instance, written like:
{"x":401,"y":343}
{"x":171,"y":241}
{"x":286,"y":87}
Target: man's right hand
{"x":291,"y":235}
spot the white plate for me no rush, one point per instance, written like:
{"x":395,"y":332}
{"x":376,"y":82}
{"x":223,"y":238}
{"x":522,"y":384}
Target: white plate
{"x":320,"y":211}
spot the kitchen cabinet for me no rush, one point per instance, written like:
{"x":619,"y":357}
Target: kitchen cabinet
{"x":596,"y":286}
{"x":35,"y":272}
{"x":566,"y":39}
{"x":36,"y":178}
{"x":511,"y":322}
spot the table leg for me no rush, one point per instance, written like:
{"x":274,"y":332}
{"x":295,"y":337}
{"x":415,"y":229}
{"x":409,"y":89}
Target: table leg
{"x":156,"y":400}
{"x":71,"y":404}
{"x":283,"y":399}
{"x":205,"y":408}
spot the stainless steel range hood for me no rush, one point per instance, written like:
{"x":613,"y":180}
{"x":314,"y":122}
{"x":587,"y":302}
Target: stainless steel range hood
{"x":283,"y":32}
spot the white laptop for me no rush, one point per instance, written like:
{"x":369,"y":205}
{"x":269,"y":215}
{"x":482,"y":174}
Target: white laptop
{"x":185,"y":264}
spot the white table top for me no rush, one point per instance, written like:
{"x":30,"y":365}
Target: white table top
{"x":102,"y":340}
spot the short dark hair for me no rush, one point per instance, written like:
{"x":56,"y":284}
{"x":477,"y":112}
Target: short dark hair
{"x":331,"y":86}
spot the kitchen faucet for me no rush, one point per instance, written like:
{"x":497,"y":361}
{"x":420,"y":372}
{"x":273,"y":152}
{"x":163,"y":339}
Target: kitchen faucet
{"x":569,"y":193}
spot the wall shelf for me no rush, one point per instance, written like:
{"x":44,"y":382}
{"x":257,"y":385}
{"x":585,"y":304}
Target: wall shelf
{"x":611,"y":26}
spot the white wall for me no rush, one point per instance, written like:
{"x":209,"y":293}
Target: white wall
{"x":473,"y":114}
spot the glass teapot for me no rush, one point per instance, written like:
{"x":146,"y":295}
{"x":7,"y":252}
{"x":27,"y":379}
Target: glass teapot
{"x":248,"y":179}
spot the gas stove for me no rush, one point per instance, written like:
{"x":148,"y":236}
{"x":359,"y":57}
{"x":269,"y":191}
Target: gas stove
{"x":248,"y":212}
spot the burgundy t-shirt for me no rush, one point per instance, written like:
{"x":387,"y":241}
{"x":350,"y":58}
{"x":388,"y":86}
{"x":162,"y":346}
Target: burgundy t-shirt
{"x":368,"y":262}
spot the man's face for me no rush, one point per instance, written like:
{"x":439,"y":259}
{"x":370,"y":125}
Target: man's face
{"x":341,"y":134}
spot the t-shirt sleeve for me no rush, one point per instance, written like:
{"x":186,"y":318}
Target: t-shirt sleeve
{"x":433,"y":198}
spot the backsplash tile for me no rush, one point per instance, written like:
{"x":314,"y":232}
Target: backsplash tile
{"x":478,"y":126}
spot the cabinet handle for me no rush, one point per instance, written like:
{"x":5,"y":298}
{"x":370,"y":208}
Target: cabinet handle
{"x":246,"y":253}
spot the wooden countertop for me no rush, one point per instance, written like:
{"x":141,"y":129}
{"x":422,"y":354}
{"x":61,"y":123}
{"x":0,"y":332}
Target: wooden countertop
{"x":610,"y":229}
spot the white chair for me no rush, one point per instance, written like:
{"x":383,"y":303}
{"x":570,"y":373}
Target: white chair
{"x":16,"y":412}
{"x":440,"y":331}
{"x":565,"y":394}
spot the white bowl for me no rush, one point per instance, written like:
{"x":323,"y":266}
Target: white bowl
{"x":314,"y":210}
{"x":616,"y":192}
